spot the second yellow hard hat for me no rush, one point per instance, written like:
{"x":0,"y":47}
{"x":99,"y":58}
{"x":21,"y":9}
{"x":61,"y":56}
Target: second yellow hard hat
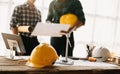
{"x":68,"y":19}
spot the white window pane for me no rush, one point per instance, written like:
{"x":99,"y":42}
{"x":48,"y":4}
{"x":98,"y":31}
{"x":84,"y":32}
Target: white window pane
{"x":118,"y":33}
{"x":18,"y":2}
{"x":84,"y":33}
{"x":41,"y":3}
{"x":4,"y":0}
{"x":104,"y":31}
{"x":47,"y":3}
{"x":89,"y":6}
{"x":4,"y":17}
{"x":45,"y":12}
{"x":107,"y":7}
{"x":118,"y":10}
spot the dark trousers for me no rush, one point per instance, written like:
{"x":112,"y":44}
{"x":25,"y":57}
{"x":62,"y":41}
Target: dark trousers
{"x":30,"y":43}
{"x":59,"y":43}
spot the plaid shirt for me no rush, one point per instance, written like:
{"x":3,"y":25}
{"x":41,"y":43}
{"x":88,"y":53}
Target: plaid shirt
{"x":23,"y":15}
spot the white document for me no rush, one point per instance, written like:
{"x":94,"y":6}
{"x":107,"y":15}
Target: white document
{"x":49,"y":29}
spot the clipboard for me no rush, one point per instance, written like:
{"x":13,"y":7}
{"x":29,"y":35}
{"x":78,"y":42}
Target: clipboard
{"x":49,"y":29}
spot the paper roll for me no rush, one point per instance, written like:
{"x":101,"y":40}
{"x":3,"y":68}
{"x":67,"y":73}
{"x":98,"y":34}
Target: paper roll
{"x":25,"y":29}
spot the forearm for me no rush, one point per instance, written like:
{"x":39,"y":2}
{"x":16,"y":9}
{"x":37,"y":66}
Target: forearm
{"x":78,"y":24}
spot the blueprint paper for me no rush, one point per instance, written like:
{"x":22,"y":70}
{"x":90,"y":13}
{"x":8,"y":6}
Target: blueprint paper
{"x":49,"y":29}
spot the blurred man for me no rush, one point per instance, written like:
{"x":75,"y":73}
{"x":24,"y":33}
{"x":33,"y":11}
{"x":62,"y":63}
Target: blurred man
{"x":26,"y":15}
{"x":58,"y":8}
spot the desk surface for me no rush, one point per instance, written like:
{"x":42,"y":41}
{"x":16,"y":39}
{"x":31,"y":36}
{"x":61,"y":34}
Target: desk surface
{"x":8,"y":66}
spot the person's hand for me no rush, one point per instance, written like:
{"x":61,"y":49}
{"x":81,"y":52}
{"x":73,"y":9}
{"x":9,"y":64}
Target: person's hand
{"x":73,"y":28}
{"x":14,"y":30}
{"x":69,"y":30}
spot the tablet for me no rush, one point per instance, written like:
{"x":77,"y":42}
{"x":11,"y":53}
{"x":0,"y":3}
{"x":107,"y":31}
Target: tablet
{"x":13,"y":40}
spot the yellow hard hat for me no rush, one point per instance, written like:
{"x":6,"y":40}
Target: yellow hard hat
{"x":68,"y":19}
{"x":42,"y":55}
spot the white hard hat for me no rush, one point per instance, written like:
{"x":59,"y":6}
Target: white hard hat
{"x":101,"y":54}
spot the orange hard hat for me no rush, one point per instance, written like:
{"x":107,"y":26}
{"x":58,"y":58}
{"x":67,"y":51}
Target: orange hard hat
{"x":42,"y":55}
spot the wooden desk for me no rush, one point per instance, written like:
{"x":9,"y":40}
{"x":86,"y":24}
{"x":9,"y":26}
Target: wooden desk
{"x":18,"y":67}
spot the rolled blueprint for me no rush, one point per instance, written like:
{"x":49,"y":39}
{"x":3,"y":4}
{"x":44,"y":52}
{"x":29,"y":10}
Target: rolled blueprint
{"x":25,"y":29}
